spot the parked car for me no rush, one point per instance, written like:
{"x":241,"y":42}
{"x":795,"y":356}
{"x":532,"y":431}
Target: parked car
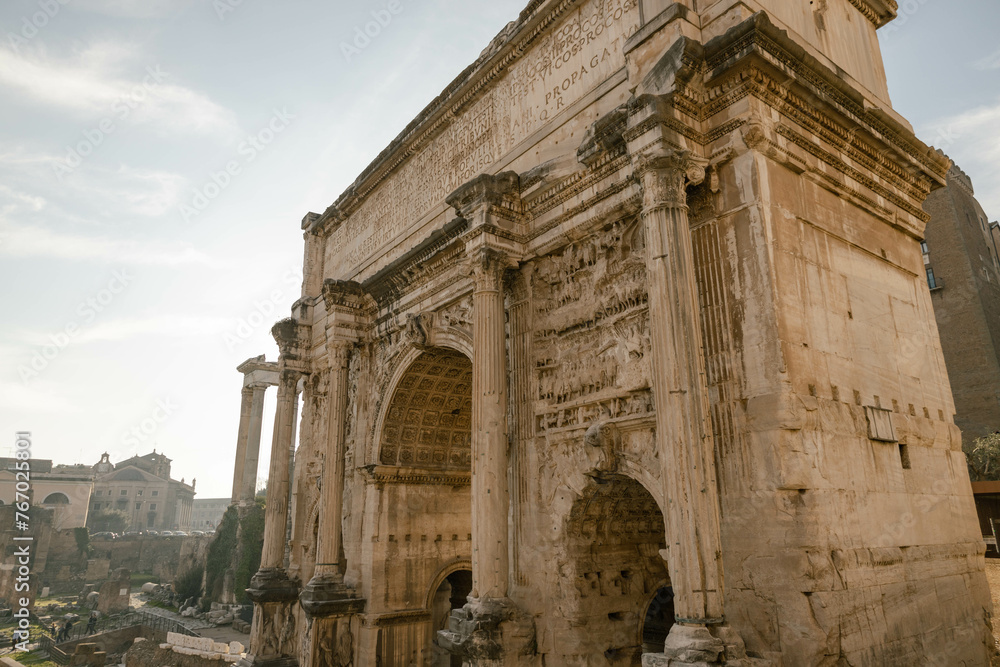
{"x":197,"y":533}
{"x":166,"y":533}
{"x":152,"y":532}
{"x":180,"y":533}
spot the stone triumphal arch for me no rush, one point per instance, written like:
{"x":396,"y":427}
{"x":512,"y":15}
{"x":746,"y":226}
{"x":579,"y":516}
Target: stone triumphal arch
{"x":608,"y":360}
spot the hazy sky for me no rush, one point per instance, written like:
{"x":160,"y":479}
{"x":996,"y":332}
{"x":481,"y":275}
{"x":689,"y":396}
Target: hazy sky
{"x":138,"y":272}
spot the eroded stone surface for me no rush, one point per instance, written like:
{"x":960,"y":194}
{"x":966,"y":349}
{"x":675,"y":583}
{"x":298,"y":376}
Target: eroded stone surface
{"x":678,"y":252}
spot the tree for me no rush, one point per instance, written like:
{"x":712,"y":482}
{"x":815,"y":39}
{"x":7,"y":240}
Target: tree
{"x":188,"y":585}
{"x":983,"y":455}
{"x":116,"y":521}
{"x":83,"y":541}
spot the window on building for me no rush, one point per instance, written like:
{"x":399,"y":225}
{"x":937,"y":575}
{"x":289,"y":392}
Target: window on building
{"x":123,"y":492}
{"x":99,"y":493}
{"x":156,"y":493}
{"x":138,"y":506}
{"x":923,"y":247}
{"x":152,"y":506}
{"x":932,"y":281}
{"x":139,"y":492}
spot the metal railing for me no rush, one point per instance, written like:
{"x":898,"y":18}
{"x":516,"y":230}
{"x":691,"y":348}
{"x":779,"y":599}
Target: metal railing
{"x":109,"y":624}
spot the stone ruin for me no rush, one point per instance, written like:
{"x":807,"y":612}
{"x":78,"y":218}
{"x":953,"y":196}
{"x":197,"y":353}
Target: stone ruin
{"x":113,"y":595}
{"x":608,"y":359}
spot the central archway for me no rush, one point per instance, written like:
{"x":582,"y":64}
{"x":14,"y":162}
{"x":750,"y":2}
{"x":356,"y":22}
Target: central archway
{"x":614,"y":538}
{"x":421,"y":561}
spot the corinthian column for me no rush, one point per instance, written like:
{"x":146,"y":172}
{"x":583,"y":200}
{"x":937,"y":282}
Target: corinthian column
{"x":249,"y":482}
{"x":683,"y":426}
{"x":276,"y":514}
{"x":273,"y":635}
{"x":328,"y":547}
{"x":246,"y":406}
{"x":326,"y":594}
{"x":326,"y":598}
{"x":490,"y":497}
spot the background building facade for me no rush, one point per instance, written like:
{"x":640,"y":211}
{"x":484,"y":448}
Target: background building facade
{"x":962,"y":265}
{"x":207,"y":513}
{"x":142,"y":488}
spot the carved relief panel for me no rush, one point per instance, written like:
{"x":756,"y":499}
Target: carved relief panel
{"x":591,"y":343}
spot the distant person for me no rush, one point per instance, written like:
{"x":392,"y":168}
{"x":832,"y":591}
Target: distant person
{"x":92,"y":624}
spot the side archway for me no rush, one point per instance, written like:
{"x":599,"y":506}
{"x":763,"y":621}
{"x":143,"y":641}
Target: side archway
{"x":614,"y":536}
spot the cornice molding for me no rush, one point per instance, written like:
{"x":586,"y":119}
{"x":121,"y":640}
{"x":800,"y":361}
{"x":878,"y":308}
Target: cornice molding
{"x":879,"y":12}
{"x":383,"y":474}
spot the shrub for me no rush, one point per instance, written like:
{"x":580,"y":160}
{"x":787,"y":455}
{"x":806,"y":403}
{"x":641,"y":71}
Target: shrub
{"x":188,"y":585}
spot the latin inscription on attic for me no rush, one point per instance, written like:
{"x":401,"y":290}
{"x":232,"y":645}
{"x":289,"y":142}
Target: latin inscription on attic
{"x":584,"y":51}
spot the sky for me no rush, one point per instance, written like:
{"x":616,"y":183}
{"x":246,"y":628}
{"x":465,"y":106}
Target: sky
{"x":157,"y":157}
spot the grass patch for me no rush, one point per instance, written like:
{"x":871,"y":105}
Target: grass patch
{"x":140,"y":578}
{"x":161,"y":605}
{"x":33,"y":659}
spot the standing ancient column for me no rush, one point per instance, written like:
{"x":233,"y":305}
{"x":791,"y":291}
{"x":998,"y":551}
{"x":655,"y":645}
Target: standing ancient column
{"x":683,"y":426}
{"x":246,"y":406}
{"x":276,"y":514}
{"x":272,"y":634}
{"x":249,"y":482}
{"x":328,"y":546}
{"x":326,"y":594}
{"x":490,"y":501}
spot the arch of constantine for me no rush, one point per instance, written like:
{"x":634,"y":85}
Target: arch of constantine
{"x":622,"y":353}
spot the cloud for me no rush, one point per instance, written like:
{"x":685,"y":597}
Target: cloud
{"x":114,"y":81}
{"x":19,"y":399}
{"x":971,"y":140}
{"x":990,"y":62}
{"x":177,"y":326}
{"x":15,"y":199}
{"x":128,"y":191}
{"x":141,"y":9}
{"x":37,"y":241}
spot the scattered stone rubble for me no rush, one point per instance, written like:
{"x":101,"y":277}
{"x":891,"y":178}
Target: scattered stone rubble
{"x":204,"y":647}
{"x":217,"y":614}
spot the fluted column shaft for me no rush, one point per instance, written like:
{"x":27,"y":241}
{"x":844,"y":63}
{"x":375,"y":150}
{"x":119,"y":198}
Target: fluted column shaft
{"x":331,"y":509}
{"x":490,"y":502}
{"x":246,"y":406}
{"x":276,"y":515}
{"x":683,"y":421}
{"x":251,"y":461}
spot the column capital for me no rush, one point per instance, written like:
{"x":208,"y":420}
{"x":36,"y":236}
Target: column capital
{"x":338,"y":350}
{"x":487,"y":267}
{"x":293,"y":339}
{"x":346,"y":310}
{"x":665,"y":175}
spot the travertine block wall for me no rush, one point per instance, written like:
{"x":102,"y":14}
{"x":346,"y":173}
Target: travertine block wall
{"x":623,"y":226}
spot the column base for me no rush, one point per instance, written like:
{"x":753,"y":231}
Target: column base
{"x":489,"y":633}
{"x":702,"y":646}
{"x":272,"y":585}
{"x":327,"y":595}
